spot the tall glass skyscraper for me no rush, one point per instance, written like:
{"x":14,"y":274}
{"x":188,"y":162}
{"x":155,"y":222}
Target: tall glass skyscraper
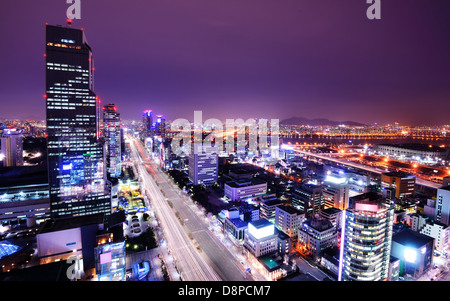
{"x":76,"y":167}
{"x":147,"y":123}
{"x":366,"y":238}
{"x":112,"y":133}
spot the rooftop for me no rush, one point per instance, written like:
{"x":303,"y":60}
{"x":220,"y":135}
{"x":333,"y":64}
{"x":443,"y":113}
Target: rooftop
{"x":411,"y":238}
{"x":261,"y":223}
{"x":238,"y":222}
{"x":371,"y":199}
{"x":319,"y":223}
{"x":71,"y":222}
{"x":445,"y":187}
{"x":55,"y":271}
{"x":245,"y":182}
{"x":275,"y":202}
{"x":289,"y":209}
{"x":330,"y":210}
{"x":398,"y":174}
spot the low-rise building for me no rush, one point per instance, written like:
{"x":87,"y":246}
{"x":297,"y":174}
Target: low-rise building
{"x":267,"y":208}
{"x":424,"y":225}
{"x":317,"y":234}
{"x":415,"y":252}
{"x":288,"y":219}
{"x":245,"y":188}
{"x":260,"y":238}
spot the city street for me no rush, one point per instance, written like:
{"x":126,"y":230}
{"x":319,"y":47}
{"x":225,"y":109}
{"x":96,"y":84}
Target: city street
{"x":197,"y":253}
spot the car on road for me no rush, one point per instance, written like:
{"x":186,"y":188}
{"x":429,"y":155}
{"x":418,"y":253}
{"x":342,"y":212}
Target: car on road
{"x":136,"y":225}
{"x":137,"y":230}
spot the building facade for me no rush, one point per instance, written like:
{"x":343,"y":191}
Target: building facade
{"x":308,"y":198}
{"x":203,"y":164}
{"x":112,"y":128}
{"x":245,"y":188}
{"x":336,"y":192}
{"x":260,"y":238}
{"x":443,"y":205}
{"x":288,"y":219}
{"x":402,"y":183}
{"x":317,"y":234}
{"x":11,"y":151}
{"x":76,"y":167}
{"x":366,"y":239}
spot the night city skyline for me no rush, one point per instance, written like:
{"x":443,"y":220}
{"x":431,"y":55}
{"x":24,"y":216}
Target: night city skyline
{"x":244,"y":59}
{"x":225,"y":147}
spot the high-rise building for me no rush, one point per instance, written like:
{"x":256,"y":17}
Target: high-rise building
{"x":112,"y":134}
{"x":443,"y":205}
{"x":147,"y":123}
{"x":317,"y":234}
{"x":402,"y":183}
{"x":335,"y":191}
{"x":366,"y":238}
{"x":76,"y":168}
{"x":11,"y":152}
{"x":308,"y":198}
{"x":160,"y":126}
{"x":203,"y":164}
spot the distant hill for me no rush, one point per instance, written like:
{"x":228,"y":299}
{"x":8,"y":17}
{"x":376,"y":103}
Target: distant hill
{"x":317,"y":121}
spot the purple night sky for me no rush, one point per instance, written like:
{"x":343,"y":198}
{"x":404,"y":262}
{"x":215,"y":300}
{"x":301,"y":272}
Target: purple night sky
{"x":243,"y":58}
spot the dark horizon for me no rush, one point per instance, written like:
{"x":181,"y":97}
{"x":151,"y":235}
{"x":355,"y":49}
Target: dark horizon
{"x":243,"y":59}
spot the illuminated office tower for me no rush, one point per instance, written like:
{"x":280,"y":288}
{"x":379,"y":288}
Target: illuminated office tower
{"x":76,"y":168}
{"x":203,"y":164}
{"x":112,"y":134}
{"x":443,"y":205}
{"x":402,"y":183}
{"x":147,"y":123}
{"x":335,"y":191}
{"x":160,"y":126}
{"x":11,"y":152}
{"x":308,"y":198}
{"x":366,"y":238}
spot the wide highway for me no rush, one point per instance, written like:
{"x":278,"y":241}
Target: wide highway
{"x":211,"y":261}
{"x":364,"y":167}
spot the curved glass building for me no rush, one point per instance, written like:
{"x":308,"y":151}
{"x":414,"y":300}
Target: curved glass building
{"x":366,"y":238}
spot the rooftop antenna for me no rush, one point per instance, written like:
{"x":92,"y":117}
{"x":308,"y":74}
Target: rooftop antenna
{"x":69,"y":21}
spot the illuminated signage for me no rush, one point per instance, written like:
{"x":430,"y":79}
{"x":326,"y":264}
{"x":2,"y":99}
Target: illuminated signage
{"x":366,"y":207}
{"x":410,"y":255}
{"x":67,"y":166}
